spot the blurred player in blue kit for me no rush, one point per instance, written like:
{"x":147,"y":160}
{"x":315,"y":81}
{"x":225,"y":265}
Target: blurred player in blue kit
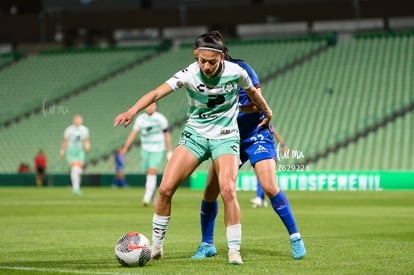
{"x":257,"y":145}
{"x":119,"y":160}
{"x":211,"y":131}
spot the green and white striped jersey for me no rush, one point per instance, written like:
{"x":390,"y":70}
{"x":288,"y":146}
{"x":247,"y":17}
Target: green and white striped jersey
{"x":151,"y":129}
{"x":213,"y":102}
{"x":76,"y":136}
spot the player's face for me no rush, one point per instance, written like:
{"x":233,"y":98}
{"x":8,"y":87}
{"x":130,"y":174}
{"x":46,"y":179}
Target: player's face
{"x":151,"y":108}
{"x":77,"y":120}
{"x":209,"y":62}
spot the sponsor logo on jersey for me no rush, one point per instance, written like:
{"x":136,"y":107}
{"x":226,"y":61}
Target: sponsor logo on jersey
{"x":260,"y":149}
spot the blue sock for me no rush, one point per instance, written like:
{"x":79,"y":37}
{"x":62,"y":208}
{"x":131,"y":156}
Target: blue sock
{"x":281,"y":206}
{"x":123,"y":182}
{"x":115,"y":182}
{"x":208,"y":214}
{"x":259,"y":191}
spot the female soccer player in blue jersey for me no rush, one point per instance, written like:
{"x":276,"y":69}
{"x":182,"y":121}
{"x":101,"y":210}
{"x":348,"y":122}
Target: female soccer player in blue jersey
{"x":257,"y":145}
{"x":119,"y":161}
{"x":211,"y":131}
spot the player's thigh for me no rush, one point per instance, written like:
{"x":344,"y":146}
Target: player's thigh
{"x":266,"y":173}
{"x":179,"y":167}
{"x":212,"y":189}
{"x":227,"y":167}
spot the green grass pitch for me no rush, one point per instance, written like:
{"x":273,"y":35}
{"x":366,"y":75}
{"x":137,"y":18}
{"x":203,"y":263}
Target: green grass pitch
{"x":50,"y":231}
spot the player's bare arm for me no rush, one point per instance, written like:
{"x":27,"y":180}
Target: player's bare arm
{"x":250,"y":107}
{"x":149,"y":98}
{"x":63,"y":148}
{"x":87,"y":145}
{"x":256,"y":96}
{"x":128,"y":142}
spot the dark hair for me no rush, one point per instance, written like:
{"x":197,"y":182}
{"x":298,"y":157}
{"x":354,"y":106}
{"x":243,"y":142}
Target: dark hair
{"x":213,"y":40}
{"x":199,"y":40}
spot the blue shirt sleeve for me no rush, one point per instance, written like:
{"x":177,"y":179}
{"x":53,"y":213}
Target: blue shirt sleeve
{"x":252,"y":74}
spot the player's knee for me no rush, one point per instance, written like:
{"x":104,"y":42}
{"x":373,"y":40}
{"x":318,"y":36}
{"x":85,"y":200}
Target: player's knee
{"x":165,"y":192}
{"x":228,"y":192}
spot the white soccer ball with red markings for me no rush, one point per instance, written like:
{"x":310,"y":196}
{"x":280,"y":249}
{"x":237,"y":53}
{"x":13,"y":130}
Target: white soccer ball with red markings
{"x":133,"y":249}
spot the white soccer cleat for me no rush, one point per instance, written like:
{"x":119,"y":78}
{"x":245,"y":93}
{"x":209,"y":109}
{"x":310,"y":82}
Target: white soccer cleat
{"x":235,"y":258}
{"x":156,"y":252}
{"x":145,"y":202}
{"x":258,"y":202}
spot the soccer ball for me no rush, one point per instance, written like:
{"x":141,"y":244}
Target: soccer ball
{"x":133,"y":249}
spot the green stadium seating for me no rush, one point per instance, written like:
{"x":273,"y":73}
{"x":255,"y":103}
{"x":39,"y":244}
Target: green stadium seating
{"x":342,"y":92}
{"x":39,"y":80}
{"x":323,"y":101}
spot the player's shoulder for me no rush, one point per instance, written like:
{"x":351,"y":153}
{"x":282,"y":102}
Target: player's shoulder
{"x":158,"y":114}
{"x":232,"y":66}
{"x":69,"y":128}
{"x":243,"y":64}
{"x":193,"y":67}
{"x":83,"y":128}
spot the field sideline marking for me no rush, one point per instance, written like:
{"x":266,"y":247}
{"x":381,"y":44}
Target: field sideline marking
{"x":23,"y":268}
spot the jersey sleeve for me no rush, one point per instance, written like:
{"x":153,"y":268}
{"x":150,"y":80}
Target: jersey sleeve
{"x":244,"y":81}
{"x":252,"y":74}
{"x":163,"y":122}
{"x":137,"y":123}
{"x":66,"y":132}
{"x":178,"y":80}
{"x":86,"y":132}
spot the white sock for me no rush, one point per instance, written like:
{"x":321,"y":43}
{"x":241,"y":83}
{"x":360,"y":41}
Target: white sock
{"x":75,"y":177}
{"x":150,"y":185}
{"x":295,"y":235}
{"x":159,"y":228}
{"x":233,"y":233}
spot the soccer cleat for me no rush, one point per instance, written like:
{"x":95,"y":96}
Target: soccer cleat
{"x":258,"y":202}
{"x":145,"y":202}
{"x":156,"y":252}
{"x":298,"y":248}
{"x":235,"y":258}
{"x":205,"y":250}
{"x":76,"y":192}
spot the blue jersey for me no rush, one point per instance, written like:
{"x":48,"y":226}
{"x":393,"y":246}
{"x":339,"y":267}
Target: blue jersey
{"x":248,"y":121}
{"x":256,"y":144}
{"x":119,"y":161}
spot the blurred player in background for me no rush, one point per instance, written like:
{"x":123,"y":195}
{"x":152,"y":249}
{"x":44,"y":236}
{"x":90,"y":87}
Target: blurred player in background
{"x":119,"y":159}
{"x":257,"y":145}
{"x":75,"y":146}
{"x":40,"y":163}
{"x":260,"y":199}
{"x":155,"y":139}
{"x":211,"y":131}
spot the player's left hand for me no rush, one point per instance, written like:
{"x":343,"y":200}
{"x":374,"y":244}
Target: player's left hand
{"x":266,"y":121}
{"x":123,"y":119}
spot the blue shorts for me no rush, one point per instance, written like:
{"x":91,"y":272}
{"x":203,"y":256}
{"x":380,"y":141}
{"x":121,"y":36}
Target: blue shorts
{"x":257,"y":147}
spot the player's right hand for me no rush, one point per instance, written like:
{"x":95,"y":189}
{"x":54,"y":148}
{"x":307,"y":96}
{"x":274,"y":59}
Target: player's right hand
{"x":123,"y":119}
{"x":266,"y":121}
